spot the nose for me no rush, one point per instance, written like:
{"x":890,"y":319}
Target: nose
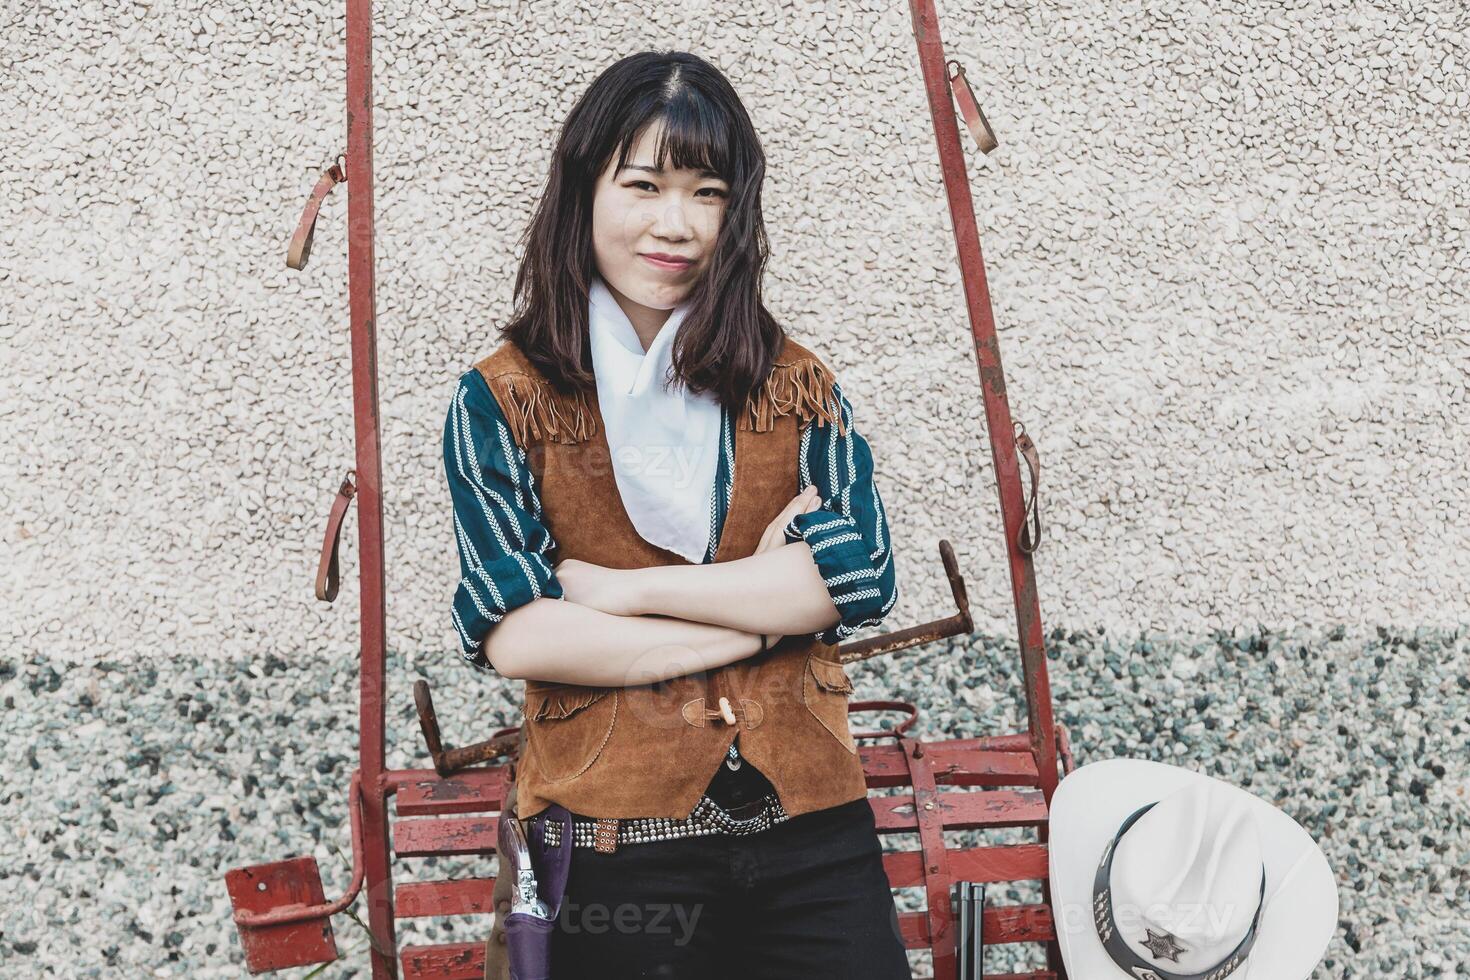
{"x":671,"y":221}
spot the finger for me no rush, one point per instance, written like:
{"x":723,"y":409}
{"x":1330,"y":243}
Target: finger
{"x":801,"y":502}
{"x":804,"y":502}
{"x":781,"y":519}
{"x":786,"y":516}
{"x":798,"y":504}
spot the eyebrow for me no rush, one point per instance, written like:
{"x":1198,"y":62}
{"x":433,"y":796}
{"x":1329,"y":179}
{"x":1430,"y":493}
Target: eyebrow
{"x":659,"y":170}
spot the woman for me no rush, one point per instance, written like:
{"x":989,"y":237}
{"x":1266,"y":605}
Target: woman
{"x":684,"y":699}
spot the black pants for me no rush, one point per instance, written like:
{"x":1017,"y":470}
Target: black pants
{"x":805,"y":899}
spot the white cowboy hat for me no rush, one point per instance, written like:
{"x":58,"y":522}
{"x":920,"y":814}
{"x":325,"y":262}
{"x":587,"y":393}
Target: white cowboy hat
{"x":1160,"y":873}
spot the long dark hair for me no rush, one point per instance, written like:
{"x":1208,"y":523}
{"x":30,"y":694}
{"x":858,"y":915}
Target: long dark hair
{"x":728,"y":340}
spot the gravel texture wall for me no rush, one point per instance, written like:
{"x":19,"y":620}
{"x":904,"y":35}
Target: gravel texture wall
{"x":1227,"y":247}
{"x":1227,"y":253}
{"x":130,"y":788}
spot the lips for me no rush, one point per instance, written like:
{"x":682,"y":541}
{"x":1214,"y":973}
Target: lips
{"x":663,"y":260}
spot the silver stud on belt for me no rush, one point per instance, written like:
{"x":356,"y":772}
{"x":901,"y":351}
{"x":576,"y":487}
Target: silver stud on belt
{"x":705,"y":819}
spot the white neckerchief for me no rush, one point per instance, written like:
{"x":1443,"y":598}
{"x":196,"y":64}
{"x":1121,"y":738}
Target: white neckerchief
{"x":664,"y":442}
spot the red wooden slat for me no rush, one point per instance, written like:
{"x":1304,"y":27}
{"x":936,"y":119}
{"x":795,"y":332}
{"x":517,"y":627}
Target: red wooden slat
{"x":1002,"y":924}
{"x":462,"y":896}
{"x":449,"y":961}
{"x":957,"y":762}
{"x":1010,"y":862}
{"x":964,"y":810}
{"x":264,"y":888}
{"x":1019,"y":924}
{"x":450,"y":835}
{"x":471,"y":791}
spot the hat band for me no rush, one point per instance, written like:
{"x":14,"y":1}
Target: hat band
{"x":1123,"y":954}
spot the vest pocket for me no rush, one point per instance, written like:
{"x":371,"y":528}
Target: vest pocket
{"x":826,"y":689}
{"x":567,"y":726}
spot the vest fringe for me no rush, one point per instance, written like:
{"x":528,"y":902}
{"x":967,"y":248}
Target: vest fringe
{"x":561,"y":704}
{"x":532,"y":407}
{"x":803,"y":387}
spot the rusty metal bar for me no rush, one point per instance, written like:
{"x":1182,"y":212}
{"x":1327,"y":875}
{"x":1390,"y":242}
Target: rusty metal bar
{"x":449,"y":761}
{"x":369,"y":468}
{"x":999,"y":426}
{"x":913,"y":636}
{"x":300,"y":913}
{"x":299,"y":250}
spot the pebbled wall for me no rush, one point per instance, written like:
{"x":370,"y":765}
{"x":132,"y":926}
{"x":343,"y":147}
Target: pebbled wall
{"x":1226,"y":242}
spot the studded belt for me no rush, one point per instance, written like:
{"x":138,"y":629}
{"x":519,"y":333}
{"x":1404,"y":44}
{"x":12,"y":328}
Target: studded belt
{"x":707,"y":818}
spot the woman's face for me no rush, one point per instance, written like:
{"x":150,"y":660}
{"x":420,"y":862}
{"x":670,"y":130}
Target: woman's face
{"x":639,"y":213}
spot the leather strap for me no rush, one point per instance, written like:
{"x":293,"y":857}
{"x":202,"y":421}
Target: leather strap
{"x":326,"y":571}
{"x":978,"y":125}
{"x":300,"y":248}
{"x":1027,"y":540}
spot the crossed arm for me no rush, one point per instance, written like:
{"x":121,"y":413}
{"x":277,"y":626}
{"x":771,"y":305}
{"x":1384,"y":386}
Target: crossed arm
{"x":823,"y":564}
{"x":619,"y":627}
{"x":777,"y":591}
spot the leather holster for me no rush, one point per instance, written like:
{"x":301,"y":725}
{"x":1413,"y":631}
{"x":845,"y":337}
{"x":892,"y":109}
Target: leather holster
{"x":497,"y":954}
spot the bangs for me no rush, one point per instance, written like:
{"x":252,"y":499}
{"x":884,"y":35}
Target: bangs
{"x":696,"y":135}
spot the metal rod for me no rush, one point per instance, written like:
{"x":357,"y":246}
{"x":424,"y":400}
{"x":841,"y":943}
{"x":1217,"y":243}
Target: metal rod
{"x":373,"y":629}
{"x":993,"y":386}
{"x":913,"y":636}
{"x":300,"y":913}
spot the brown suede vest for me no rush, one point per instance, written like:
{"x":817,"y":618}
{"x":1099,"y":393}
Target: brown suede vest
{"x":650,"y":750}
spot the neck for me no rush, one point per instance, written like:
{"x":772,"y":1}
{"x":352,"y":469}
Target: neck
{"x":646,"y":320}
{"x":648,"y":326}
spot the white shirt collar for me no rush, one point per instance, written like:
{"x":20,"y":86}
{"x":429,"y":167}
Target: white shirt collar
{"x":664,"y":441}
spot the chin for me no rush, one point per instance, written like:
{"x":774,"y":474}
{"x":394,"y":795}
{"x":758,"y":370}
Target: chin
{"x":661,"y":295}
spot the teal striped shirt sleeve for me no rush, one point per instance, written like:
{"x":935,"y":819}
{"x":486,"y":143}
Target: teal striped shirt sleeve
{"x":498,"y":527}
{"x":848,"y":532}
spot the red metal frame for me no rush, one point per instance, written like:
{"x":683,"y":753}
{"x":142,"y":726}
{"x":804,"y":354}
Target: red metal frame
{"x":993,"y":384}
{"x":1011,"y":778}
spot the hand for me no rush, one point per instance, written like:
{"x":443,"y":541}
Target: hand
{"x":598,"y":587}
{"x":775,"y":534}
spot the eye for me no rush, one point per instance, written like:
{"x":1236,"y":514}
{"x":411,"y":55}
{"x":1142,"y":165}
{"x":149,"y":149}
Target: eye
{"x":642,"y":184}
